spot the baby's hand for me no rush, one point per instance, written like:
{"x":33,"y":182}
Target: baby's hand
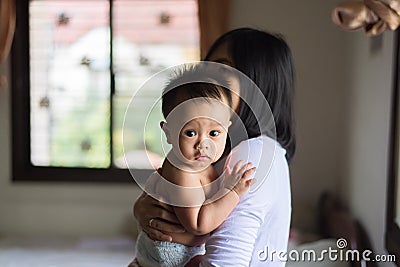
{"x":238,"y":179}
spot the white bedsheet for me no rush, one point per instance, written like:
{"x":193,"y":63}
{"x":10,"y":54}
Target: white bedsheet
{"x":88,"y":252}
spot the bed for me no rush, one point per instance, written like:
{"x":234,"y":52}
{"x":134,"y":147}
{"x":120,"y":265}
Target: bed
{"x":85,"y":252}
{"x":119,"y":251}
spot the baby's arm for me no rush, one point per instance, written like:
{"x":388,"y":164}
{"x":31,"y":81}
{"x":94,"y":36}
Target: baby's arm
{"x":200,"y":220}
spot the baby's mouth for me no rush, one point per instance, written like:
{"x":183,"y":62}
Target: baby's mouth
{"x":202,"y":157}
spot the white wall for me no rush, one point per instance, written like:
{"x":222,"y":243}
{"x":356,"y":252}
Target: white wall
{"x":368,"y":118}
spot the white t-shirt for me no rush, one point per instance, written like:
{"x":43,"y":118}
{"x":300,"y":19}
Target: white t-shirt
{"x":256,"y":232}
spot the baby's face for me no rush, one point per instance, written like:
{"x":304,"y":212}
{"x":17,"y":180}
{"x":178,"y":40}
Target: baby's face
{"x":202,"y":141}
{"x":197,"y":130}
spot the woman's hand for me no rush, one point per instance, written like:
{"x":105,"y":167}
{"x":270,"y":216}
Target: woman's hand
{"x":156,"y":218}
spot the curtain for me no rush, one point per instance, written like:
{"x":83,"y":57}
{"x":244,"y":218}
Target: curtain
{"x":7,"y":27}
{"x":213,"y":21}
{"x":375,"y":16}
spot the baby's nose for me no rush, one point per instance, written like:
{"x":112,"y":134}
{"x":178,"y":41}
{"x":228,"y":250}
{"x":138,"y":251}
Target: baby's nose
{"x":204,"y":144}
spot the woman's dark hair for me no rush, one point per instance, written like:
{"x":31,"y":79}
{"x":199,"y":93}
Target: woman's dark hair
{"x":267,"y":60}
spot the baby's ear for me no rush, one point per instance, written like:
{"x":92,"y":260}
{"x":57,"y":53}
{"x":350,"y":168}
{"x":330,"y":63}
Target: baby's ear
{"x":165,"y":128}
{"x":229,"y":124}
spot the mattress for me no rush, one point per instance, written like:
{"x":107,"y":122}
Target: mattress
{"x":83,"y":252}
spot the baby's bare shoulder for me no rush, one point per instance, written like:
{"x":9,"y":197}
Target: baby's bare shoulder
{"x":180,"y":177}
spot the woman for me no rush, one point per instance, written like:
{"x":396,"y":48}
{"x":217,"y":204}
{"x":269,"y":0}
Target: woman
{"x":256,"y":232}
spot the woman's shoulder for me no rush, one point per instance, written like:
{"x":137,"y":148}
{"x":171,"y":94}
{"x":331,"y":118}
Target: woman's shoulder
{"x":264,"y":153}
{"x":259,"y":139}
{"x":259,"y":144}
{"x":268,"y":156}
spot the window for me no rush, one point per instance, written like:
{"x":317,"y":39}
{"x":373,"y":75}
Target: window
{"x":76,"y":64}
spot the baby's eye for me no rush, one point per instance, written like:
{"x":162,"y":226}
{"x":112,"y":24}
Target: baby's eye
{"x":190,"y":133}
{"x":214,"y":133}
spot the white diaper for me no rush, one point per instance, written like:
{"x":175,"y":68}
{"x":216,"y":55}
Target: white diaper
{"x":150,"y":253}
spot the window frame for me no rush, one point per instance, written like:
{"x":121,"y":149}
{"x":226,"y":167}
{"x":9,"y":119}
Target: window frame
{"x":22,"y":167}
{"x":392,"y":231}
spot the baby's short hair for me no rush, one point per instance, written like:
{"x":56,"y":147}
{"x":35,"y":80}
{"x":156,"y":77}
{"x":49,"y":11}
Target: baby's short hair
{"x":194,"y":81}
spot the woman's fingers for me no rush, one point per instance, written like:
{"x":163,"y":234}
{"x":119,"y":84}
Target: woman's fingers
{"x":166,"y":226}
{"x":152,"y":214}
{"x":162,"y":213}
{"x":157,"y":235}
{"x":143,"y":209}
{"x":168,"y":216}
{"x":147,"y":207}
{"x":158,"y":230}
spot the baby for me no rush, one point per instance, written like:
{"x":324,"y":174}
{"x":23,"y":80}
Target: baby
{"x":197,"y":118}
